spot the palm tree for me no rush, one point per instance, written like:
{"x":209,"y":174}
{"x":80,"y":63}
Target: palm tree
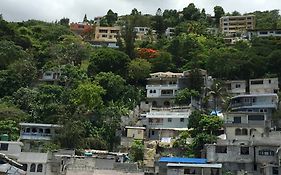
{"x":218,"y":93}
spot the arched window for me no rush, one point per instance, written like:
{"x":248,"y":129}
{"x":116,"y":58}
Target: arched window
{"x":238,"y":131}
{"x":47,"y":131}
{"x":40,"y":130}
{"x":39,"y":167}
{"x":32,"y":167}
{"x":244,"y":131}
{"x":150,"y":91}
{"x":252,"y":130}
{"x":34,"y":130}
{"x":27,"y":130}
{"x":167,"y":103}
{"x":24,"y":166}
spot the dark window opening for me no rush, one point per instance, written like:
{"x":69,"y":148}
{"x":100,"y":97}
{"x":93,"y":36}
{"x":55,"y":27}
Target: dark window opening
{"x":32,"y":167}
{"x":244,"y":150}
{"x":39,"y":168}
{"x":4,"y":146}
{"x":221,"y":149}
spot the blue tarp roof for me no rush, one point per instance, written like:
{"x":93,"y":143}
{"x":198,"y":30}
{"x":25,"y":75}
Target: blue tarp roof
{"x":182,"y":160}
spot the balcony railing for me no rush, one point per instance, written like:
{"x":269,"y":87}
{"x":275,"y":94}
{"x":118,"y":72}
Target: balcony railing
{"x":163,"y":85}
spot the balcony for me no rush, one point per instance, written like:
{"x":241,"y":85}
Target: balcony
{"x":35,"y":136}
{"x":162,"y":86}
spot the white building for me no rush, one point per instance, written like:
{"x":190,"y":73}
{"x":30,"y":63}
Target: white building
{"x":236,"y":87}
{"x":33,"y":133}
{"x":262,"y":33}
{"x":263,"y":85}
{"x":11,"y":149}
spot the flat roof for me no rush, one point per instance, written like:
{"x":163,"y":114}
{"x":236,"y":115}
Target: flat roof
{"x":255,"y":95}
{"x":134,"y":127}
{"x":39,"y":125}
{"x":33,"y":157}
{"x":174,"y":129}
{"x":183,"y":160}
{"x":219,"y":165}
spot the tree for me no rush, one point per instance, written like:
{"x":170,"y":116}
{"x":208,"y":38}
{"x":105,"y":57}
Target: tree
{"x":64,"y":21}
{"x":108,"y":60}
{"x":111,"y":17}
{"x":9,"y":52}
{"x":199,"y":141}
{"x":137,"y":151}
{"x":191,"y":13}
{"x":217,"y":92}
{"x":210,"y":124}
{"x":158,"y":23}
{"x":85,"y":19}
{"x":139,"y":69}
{"x":162,"y":63}
{"x":88,"y":96}
{"x":184,"y":96}
{"x":219,"y":12}
{"x":112,"y":84}
{"x":11,"y":128}
{"x":129,"y":35}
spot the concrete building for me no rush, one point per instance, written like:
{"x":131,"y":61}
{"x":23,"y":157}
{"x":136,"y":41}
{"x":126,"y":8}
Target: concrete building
{"x":106,"y":34}
{"x":141,"y":32}
{"x":262,"y":33}
{"x":170,"y":32}
{"x":187,"y":166}
{"x":11,"y":149}
{"x":254,"y":157}
{"x":166,"y":122}
{"x":263,"y":85}
{"x":81,"y":28}
{"x":51,"y":76}
{"x":235,"y":25}
{"x":236,"y":87}
{"x":162,"y":87}
{"x":34,"y":134}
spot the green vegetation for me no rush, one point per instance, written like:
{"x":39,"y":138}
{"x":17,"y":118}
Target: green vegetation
{"x":97,"y":86}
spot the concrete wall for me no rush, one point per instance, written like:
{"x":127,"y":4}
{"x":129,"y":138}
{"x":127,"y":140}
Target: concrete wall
{"x":14,"y":149}
{"x":135,"y":133}
{"x":168,"y":123}
{"x":268,"y":85}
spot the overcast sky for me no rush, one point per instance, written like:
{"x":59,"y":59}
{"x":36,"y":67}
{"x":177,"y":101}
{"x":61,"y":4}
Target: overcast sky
{"x":51,"y":10}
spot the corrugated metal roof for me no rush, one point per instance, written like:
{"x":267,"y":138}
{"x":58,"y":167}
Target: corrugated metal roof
{"x":182,"y":160}
{"x":219,"y":165}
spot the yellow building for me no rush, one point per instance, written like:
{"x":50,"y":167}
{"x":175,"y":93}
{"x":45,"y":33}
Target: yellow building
{"x":135,"y":132}
{"x":106,"y":34}
{"x":233,"y":25}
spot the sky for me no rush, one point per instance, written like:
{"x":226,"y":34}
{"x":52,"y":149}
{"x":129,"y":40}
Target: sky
{"x":52,"y":10}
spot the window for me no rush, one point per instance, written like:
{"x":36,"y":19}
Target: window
{"x":40,"y":130}
{"x":102,"y":31}
{"x":256,"y":117}
{"x":244,"y":131}
{"x":34,"y":130}
{"x":153,"y":133}
{"x":47,"y":131}
{"x":39,"y":167}
{"x":24,"y":167}
{"x":4,"y":146}
{"x":150,"y":91}
{"x":236,"y":119}
{"x":182,"y":119}
{"x":263,"y":33}
{"x":238,"y":131}
{"x":257,"y":81}
{"x":32,"y":167}
{"x":27,"y":130}
{"x":221,"y":149}
{"x":269,"y":81}
{"x":265,"y":152}
{"x":237,"y":85}
{"x":252,"y":130}
{"x":104,"y":36}
{"x":150,"y":120}
{"x":275,"y":170}
{"x":244,"y":150}
{"x":186,"y":171}
{"x":169,"y":120}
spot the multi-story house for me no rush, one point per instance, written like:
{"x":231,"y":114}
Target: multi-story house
{"x":141,"y":32}
{"x":236,"y":87}
{"x":166,"y":123}
{"x":233,"y":25}
{"x":263,"y":85}
{"x":81,"y":28}
{"x":106,"y":34}
{"x":162,"y":87}
{"x":34,"y":134}
{"x":250,"y":143}
{"x":262,"y":33}
{"x":11,"y":149}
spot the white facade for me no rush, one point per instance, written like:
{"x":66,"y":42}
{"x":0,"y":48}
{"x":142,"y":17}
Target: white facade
{"x":170,"y":32}
{"x":253,"y":102}
{"x":236,"y":87}
{"x":51,"y":75}
{"x":231,"y":25}
{"x":11,"y":149}
{"x":266,"y":85}
{"x":263,"y":33}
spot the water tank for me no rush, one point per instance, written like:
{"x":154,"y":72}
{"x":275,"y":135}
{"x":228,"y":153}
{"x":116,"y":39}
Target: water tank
{"x":4,"y":137}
